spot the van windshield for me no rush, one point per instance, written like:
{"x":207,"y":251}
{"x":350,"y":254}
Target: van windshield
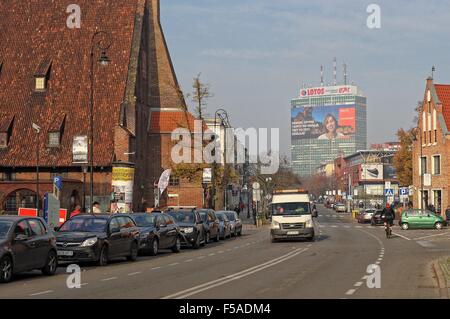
{"x":290,"y":209}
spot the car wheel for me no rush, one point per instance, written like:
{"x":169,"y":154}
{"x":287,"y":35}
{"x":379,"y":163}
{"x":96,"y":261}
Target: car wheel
{"x":217,"y":237}
{"x":405,"y":226}
{"x":203,"y":243}
{"x":196,"y":244}
{"x":438,"y":225}
{"x":235,"y":233}
{"x":240,"y":232}
{"x":208,"y":237}
{"x":133,"y":256}
{"x":6,"y":269}
{"x":154,"y":247}
{"x":177,"y":247}
{"x":51,"y":264}
{"x":104,"y":256}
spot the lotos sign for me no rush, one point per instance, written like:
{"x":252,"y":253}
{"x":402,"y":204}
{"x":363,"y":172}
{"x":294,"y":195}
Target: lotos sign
{"x":329,"y":90}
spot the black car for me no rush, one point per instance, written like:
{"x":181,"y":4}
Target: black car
{"x":26,"y":244}
{"x":157,"y":231}
{"x":377,"y":218}
{"x":97,"y":238}
{"x":191,"y":226}
{"x":211,"y":224}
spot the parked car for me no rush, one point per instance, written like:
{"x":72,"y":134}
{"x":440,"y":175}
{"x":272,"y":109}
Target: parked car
{"x":157,"y":231}
{"x":98,"y":238}
{"x":340,"y":208}
{"x":420,"y":218}
{"x":235,"y":223}
{"x":26,"y":244}
{"x":377,"y":218}
{"x":211,"y":224}
{"x":224,"y":225}
{"x":191,"y":226}
{"x":366,"y":215}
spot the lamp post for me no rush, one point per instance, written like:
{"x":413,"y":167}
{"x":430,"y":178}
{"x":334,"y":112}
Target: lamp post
{"x":223,"y":116}
{"x":37,"y":128}
{"x":100,"y":40}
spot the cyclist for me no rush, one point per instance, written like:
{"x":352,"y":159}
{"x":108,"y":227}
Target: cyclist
{"x":388,"y":218}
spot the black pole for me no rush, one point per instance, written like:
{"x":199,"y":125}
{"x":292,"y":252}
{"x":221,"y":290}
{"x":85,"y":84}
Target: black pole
{"x":37,"y":174}
{"x":91,"y":128}
{"x":84,"y":189}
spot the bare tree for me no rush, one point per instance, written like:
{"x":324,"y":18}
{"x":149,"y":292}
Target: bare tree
{"x":201,"y":92}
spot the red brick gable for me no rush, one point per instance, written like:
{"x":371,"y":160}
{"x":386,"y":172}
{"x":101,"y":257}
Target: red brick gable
{"x":35,"y":39}
{"x":443,"y":92}
{"x":168,"y":121}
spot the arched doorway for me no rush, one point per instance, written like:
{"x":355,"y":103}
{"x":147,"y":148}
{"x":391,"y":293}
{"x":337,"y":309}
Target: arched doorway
{"x":22,"y":198}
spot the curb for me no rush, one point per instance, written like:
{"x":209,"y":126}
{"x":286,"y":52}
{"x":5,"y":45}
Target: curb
{"x":441,"y":269}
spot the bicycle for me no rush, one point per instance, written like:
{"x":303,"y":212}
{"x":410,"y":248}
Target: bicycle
{"x":388,"y":229}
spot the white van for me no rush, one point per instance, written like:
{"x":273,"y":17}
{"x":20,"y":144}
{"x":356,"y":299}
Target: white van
{"x":292,"y":215}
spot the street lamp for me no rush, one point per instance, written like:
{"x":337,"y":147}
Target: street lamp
{"x":100,"y":40}
{"x":223,"y":117}
{"x":37,"y":128}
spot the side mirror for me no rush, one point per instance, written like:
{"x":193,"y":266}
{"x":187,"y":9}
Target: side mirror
{"x":20,"y":237}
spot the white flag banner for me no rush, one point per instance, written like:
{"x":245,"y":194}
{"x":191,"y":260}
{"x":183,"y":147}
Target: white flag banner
{"x":164,"y":180}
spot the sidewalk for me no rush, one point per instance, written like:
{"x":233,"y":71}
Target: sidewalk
{"x":442,"y":270}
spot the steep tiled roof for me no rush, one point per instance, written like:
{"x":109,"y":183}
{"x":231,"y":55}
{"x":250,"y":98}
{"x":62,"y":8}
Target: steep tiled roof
{"x":34,"y":39}
{"x":443,"y":92}
{"x":168,"y":121}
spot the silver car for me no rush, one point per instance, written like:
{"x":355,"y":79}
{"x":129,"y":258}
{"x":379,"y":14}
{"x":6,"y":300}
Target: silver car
{"x":235,"y":222}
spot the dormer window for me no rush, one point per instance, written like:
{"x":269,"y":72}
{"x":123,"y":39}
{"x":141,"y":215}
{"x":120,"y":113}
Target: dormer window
{"x":54,"y":139}
{"x":3,"y":140}
{"x":6,"y":127}
{"x":42,"y":75}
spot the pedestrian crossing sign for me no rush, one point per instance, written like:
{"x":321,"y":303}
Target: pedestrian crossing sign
{"x":389,"y":192}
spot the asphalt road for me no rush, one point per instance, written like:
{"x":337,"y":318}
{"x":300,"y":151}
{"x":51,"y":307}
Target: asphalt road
{"x":334,"y":266}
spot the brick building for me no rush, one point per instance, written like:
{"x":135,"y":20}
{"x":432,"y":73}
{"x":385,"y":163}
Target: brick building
{"x":431,"y":149}
{"x":45,"y":79}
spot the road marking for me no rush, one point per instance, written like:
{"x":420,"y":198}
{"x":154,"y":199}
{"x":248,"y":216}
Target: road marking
{"x":377,"y":263}
{"x":200,"y":257}
{"x":380,"y":259}
{"x":236,"y":247}
{"x":430,"y":236}
{"x":109,"y":279}
{"x":220,"y":252}
{"x":426,"y":244}
{"x":365,"y":277}
{"x":401,"y":236}
{"x":334,"y":226}
{"x":42,"y":293}
{"x":358,"y":227}
{"x":188,"y":261}
{"x":174,"y":264}
{"x":244,"y":273}
{"x":359,"y":284}
{"x":84,"y":284}
{"x":154,"y":268}
{"x":135,"y":273}
{"x":212,"y":254}
{"x":350,"y":292}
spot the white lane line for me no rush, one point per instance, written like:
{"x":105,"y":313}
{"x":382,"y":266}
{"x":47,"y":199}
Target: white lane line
{"x":135,"y":273}
{"x":236,"y":247}
{"x":154,"y":268}
{"x":244,"y":273}
{"x":380,"y":259}
{"x":401,"y":236}
{"x":359,"y":284}
{"x":174,"y":264}
{"x":220,"y":252}
{"x":365,"y":277}
{"x":42,"y":293}
{"x":200,"y":257}
{"x":430,"y":236}
{"x":350,"y":292}
{"x":212,"y":254}
{"x":377,"y":263}
{"x":188,"y":261}
{"x":109,"y":279}
{"x":358,"y":227}
{"x":84,"y":284}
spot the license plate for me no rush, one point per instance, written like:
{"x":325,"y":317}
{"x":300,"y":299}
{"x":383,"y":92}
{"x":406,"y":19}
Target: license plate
{"x":292,"y":232}
{"x":65,"y":253}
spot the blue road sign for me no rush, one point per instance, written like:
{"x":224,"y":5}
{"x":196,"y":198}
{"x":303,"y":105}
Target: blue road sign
{"x":57,"y":181}
{"x":389,"y":192}
{"x":404,"y":191}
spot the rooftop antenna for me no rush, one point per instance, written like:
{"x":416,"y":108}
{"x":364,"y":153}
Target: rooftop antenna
{"x":321,"y":75}
{"x":345,"y":73}
{"x":335,"y":71}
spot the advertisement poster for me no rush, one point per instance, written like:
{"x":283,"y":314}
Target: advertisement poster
{"x":80,"y":150}
{"x":372,"y":172}
{"x":122,"y":184}
{"x":323,"y":122}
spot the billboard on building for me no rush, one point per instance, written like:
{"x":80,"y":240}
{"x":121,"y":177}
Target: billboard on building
{"x":329,"y":90}
{"x":122,"y":184}
{"x":372,"y":172}
{"x":323,"y":122}
{"x":80,"y":149}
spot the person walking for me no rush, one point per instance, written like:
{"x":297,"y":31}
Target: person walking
{"x":76,"y":211}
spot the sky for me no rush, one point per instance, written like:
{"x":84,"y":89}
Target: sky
{"x":256,"y":54}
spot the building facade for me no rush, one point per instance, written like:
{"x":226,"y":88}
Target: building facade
{"x":324,"y":122}
{"x":431,"y":149}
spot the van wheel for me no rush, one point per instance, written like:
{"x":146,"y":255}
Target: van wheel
{"x":6,"y":269}
{"x":438,"y":225}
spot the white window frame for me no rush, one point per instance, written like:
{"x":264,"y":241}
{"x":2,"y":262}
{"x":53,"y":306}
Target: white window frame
{"x":420,"y":165}
{"x":49,"y":139}
{"x":440,"y":165}
{"x":40,"y":83}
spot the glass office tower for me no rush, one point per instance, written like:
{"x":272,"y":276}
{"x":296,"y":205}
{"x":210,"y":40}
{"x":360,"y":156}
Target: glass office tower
{"x":326,"y":121}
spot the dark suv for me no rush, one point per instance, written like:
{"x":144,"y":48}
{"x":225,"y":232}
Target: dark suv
{"x":98,"y":238}
{"x":191,"y":226}
{"x":26,"y":244}
{"x":211,"y":224}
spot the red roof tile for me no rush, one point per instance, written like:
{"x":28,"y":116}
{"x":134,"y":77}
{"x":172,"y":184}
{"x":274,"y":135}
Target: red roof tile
{"x":168,"y":121}
{"x":34,"y":38}
{"x":443,"y":92}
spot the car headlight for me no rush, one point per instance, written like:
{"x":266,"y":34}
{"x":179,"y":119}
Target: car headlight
{"x":188,"y":230}
{"x":89,"y":242}
{"x":309,"y":223}
{"x":275,"y":224}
